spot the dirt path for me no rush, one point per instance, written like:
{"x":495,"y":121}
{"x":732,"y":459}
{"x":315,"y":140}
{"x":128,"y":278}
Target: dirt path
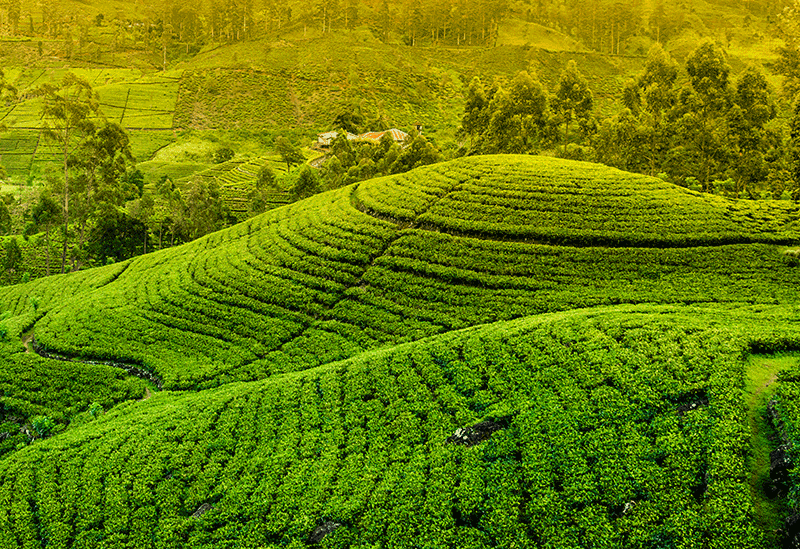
{"x":147,"y":394}
{"x":26,"y":341}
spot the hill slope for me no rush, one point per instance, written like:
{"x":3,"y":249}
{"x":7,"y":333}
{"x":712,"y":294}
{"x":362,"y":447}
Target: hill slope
{"x":606,"y":427}
{"x":409,"y":256}
{"x":616,"y":419}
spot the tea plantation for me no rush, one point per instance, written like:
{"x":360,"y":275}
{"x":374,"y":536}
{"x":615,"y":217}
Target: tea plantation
{"x":499,"y":351}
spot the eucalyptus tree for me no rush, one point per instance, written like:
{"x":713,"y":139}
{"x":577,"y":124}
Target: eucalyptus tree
{"x":69,"y":114}
{"x":573,"y":100}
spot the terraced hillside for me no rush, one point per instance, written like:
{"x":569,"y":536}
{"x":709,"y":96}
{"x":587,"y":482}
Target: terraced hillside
{"x":409,"y":256}
{"x":237,"y":179}
{"x":603,"y":405}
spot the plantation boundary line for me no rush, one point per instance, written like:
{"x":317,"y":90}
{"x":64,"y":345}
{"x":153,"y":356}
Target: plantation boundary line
{"x":125,"y":106}
{"x":14,"y":106}
{"x":381,"y":252}
{"x":35,"y":150}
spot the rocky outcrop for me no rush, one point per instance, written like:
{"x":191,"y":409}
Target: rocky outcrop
{"x":470,"y":436}
{"x":321,"y":531}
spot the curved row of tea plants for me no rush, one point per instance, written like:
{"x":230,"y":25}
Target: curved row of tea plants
{"x":619,"y":427}
{"x":348,"y":270}
{"x":575,"y":203}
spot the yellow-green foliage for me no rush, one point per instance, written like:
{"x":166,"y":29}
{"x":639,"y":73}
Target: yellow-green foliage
{"x":620,"y":426}
{"x":408,"y":256}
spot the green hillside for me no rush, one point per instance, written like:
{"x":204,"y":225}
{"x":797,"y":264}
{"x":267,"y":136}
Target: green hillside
{"x":398,"y":258}
{"x":587,"y":329}
{"x":599,"y":442}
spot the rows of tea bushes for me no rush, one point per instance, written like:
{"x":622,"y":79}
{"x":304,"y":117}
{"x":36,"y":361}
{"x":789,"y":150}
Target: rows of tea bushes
{"x":786,"y":418}
{"x":553,"y":201}
{"x":237,"y":180}
{"x":621,"y":427}
{"x":54,"y":391}
{"x":192,"y":313}
{"x":453,"y":282}
{"x":358,"y":267}
{"x":63,"y":393}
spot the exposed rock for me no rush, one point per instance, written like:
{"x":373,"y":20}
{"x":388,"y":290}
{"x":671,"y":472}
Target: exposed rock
{"x":321,"y":531}
{"x":779,"y":466}
{"x":202,"y":510}
{"x":693,"y":405}
{"x":470,"y":436}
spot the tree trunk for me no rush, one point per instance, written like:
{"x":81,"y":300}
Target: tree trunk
{"x":66,"y":205}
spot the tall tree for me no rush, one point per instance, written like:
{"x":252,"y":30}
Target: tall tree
{"x":752,"y":109}
{"x":650,"y":99}
{"x":702,"y":124}
{"x":290,"y":153}
{"x":206,"y":211}
{"x":475,"y":117}
{"x":789,"y":61}
{"x":43,"y":217}
{"x":69,"y":114}
{"x":573,"y":100}
{"x":100,"y":164}
{"x":709,"y":72}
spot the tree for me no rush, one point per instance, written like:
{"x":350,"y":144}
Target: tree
{"x":518,"y":117}
{"x":223,"y":154}
{"x":265,"y":182}
{"x":5,"y":218}
{"x":142,"y":210}
{"x":573,"y":100}
{"x":100,"y":165}
{"x":789,"y":61}
{"x":307,"y":183}
{"x":117,"y":236}
{"x":417,"y":152}
{"x":710,"y":75}
{"x":175,"y":210}
{"x":13,"y":255}
{"x":43,"y":217}
{"x":749,"y":138}
{"x":640,"y":138}
{"x":205,"y":210}
{"x":265,"y":178}
{"x":701,"y":117}
{"x":68,"y":114}
{"x":290,"y":153}
{"x":474,"y":120}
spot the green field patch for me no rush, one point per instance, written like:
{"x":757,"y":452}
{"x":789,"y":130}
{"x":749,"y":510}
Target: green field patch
{"x":598,"y":436}
{"x":761,"y":384}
